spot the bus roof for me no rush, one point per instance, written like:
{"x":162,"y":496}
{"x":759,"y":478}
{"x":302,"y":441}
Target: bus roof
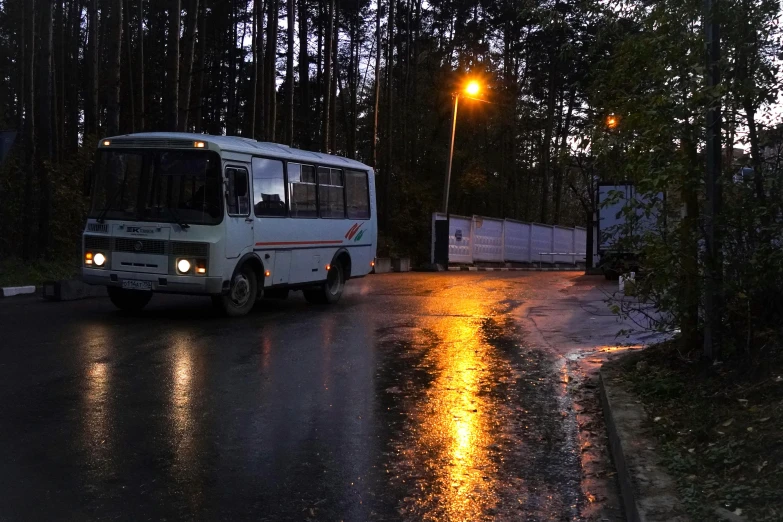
{"x":238,"y":144}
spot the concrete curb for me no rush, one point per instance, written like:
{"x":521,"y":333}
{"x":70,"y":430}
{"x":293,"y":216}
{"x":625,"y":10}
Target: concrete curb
{"x":490,"y":269}
{"x":12,"y":291}
{"x":648,"y":492}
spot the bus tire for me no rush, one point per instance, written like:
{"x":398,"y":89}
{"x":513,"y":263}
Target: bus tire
{"x":241,"y":295}
{"x":128,"y":300}
{"x":331,"y":290}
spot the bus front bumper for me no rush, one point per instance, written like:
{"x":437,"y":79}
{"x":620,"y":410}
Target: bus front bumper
{"x":174,"y":284}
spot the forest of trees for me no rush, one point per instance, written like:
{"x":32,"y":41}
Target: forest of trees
{"x":374,"y":80}
{"x":368,"y":80}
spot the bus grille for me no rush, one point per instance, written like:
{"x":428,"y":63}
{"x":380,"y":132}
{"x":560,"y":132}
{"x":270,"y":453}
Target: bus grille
{"x":101,"y":228}
{"x":97,"y":243}
{"x":140,"y":246}
{"x":188,"y":249}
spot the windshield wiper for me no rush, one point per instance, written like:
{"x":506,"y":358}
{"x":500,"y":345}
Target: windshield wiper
{"x":178,"y":219}
{"x":102,"y":215}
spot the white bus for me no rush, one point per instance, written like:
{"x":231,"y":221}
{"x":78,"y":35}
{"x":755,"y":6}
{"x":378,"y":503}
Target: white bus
{"x":228,"y":217}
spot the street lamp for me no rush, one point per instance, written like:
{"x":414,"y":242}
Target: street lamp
{"x":612,"y":121}
{"x":471,"y":89}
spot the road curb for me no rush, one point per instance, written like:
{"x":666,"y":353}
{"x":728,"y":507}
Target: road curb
{"x":648,"y":492}
{"x":13,"y":291}
{"x":492,"y":269}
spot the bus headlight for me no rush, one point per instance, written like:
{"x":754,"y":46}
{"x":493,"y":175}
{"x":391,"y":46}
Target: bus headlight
{"x":99,"y":259}
{"x":183,"y":266}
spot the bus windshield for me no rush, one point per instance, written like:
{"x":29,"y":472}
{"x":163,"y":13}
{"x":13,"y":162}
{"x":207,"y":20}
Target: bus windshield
{"x":158,"y":185}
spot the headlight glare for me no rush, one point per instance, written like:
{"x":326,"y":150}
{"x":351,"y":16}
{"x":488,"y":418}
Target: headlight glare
{"x":99,"y":259}
{"x":183,"y":265}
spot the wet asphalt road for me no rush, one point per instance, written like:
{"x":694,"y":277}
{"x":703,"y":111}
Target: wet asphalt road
{"x":417,"y":397}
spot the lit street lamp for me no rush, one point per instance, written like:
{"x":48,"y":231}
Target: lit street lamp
{"x":471,"y":89}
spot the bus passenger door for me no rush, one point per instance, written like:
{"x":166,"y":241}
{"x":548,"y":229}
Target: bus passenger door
{"x":239,"y":223}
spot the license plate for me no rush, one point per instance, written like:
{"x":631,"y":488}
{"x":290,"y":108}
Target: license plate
{"x":137,"y":285}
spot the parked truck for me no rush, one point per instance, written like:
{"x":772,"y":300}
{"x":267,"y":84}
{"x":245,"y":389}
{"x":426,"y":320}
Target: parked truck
{"x":623,"y":221}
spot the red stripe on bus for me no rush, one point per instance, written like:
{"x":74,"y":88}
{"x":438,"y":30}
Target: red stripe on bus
{"x":300,"y":243}
{"x":351,"y":231}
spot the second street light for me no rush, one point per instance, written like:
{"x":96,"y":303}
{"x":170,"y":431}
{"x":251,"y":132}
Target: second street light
{"x":470,"y":91}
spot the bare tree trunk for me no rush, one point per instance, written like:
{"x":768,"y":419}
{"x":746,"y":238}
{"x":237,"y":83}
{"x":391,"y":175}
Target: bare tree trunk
{"x":44,"y":146}
{"x":327,"y":86}
{"x":561,"y":143}
{"x":58,"y":81}
{"x":91,"y":103}
{"x":22,"y":62}
{"x":755,"y":152}
{"x":546,"y":147}
{"x":172,"y":73}
{"x":142,"y":101}
{"x":115,"y":48}
{"x":72,"y":142}
{"x":388,"y":163}
{"x":354,"y":81}
{"x":254,"y":80}
{"x":289,"y":76}
{"x":231,"y":120}
{"x":186,"y":80}
{"x":199,"y":96}
{"x":319,"y":89}
{"x":304,"y":79}
{"x":129,"y":56}
{"x":333,"y":93}
{"x":271,"y":77}
{"x":29,"y":124}
{"x":374,"y":143}
{"x":262,"y":72}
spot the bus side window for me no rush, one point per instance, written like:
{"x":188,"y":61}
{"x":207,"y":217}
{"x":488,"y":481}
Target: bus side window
{"x":357,"y":194}
{"x":269,"y":187}
{"x":330,"y":193}
{"x":302,"y":187}
{"x":237,"y":200}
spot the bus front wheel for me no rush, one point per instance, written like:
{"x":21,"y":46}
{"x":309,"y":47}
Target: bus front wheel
{"x":128,"y":300}
{"x":241,"y":295}
{"x":331,"y":290}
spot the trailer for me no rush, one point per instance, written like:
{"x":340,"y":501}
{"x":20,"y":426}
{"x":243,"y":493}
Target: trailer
{"x":622,"y":223}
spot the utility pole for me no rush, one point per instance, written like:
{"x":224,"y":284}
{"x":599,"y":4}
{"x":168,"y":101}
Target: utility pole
{"x":713,"y":305}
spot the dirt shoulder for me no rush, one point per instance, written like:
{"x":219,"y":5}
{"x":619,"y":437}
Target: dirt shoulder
{"x":719,"y":426}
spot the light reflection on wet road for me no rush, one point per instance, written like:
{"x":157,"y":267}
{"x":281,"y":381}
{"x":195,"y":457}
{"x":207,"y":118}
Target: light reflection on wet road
{"x":418,"y":397}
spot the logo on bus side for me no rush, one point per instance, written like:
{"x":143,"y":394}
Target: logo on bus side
{"x":353,"y":232}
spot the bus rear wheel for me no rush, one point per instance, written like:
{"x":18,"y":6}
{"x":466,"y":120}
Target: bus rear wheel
{"x":128,"y":300}
{"x":331,"y":290}
{"x":241,"y":295}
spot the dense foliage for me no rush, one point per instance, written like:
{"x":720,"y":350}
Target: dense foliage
{"x":656,"y":80}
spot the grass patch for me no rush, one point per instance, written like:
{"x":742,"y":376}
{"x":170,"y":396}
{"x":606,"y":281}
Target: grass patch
{"x":720,"y":427}
{"x":15,"y":272}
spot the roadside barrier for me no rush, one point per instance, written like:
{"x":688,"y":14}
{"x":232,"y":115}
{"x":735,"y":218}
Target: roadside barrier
{"x":492,"y":240}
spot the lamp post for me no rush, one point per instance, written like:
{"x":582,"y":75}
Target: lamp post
{"x":471,"y":89}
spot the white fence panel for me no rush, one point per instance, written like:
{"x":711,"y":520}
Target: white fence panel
{"x":564,"y":244}
{"x":487,"y":239}
{"x":580,"y":244}
{"x":541,"y":241}
{"x":460,"y":239}
{"x":517,"y":241}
